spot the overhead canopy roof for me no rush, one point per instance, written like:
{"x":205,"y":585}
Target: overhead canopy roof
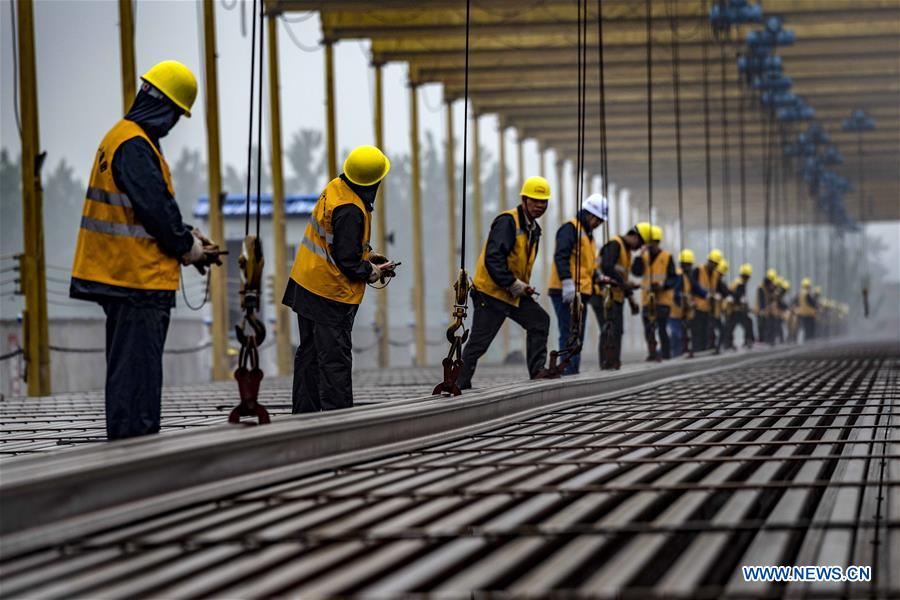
{"x":523,"y":68}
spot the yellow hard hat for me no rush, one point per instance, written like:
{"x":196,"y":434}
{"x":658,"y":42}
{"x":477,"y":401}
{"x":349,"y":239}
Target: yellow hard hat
{"x":818,"y":290}
{"x":656,"y":232}
{"x":747,"y":269}
{"x":644,"y":230}
{"x":686,"y":256}
{"x":175,"y":81}
{"x":715,"y":255}
{"x":786,"y":284}
{"x":806,"y":282}
{"x":772,"y":275}
{"x":722,"y":267}
{"x":536,"y":188}
{"x":366,"y":165}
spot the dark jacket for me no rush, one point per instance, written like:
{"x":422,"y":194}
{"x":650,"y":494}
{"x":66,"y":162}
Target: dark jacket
{"x":696,"y":288}
{"x":348,"y":229}
{"x":609,"y":258}
{"x":137,"y":172}
{"x":500,"y":243}
{"x":721,"y":288}
{"x":566,"y":238}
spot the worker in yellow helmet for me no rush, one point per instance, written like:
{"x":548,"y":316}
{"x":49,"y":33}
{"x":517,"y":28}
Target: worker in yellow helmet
{"x":684,"y":293}
{"x":502,"y":283}
{"x":710,"y":279}
{"x":740,"y":312}
{"x":614,"y":268}
{"x":805,"y":308}
{"x":720,"y":308}
{"x":334,"y":263}
{"x":766,"y":307}
{"x":782,"y":317}
{"x":572,"y":271}
{"x":131,"y":244}
{"x":656,"y":269}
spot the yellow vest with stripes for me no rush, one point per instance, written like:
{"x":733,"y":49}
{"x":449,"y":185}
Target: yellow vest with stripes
{"x":708,"y":282}
{"x":686,"y":289}
{"x":314,"y":268}
{"x":587,"y":263}
{"x":623,"y":267}
{"x":804,"y":308}
{"x":113,"y":247}
{"x":520,"y":262}
{"x":656,"y":273}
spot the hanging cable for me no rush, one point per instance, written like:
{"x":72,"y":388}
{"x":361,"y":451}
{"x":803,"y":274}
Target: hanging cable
{"x":743,"y":172}
{"x":259,"y":120}
{"x":604,"y":165}
{"x":250,"y":127}
{"x":648,"y":49}
{"x":726,"y":157}
{"x":676,"y":90}
{"x":706,"y":142}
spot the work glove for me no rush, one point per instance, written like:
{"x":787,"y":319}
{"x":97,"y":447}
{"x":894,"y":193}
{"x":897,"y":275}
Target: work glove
{"x":568,"y":291}
{"x":381,"y":271}
{"x":518,"y":289}
{"x":377,"y":259}
{"x":195,"y":254}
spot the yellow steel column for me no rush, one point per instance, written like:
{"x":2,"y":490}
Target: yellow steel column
{"x":126,"y":55}
{"x":284,"y":355}
{"x":381,"y":314}
{"x":418,"y":262}
{"x":450,"y":161}
{"x":218,"y":277}
{"x":330,"y":122}
{"x":34,"y":282}
{"x":477,"y":215}
{"x":501,"y":164}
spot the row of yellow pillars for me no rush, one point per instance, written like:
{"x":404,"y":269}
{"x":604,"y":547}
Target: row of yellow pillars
{"x":36,"y":343}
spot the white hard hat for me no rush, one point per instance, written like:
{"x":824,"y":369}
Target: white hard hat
{"x":597,"y":205}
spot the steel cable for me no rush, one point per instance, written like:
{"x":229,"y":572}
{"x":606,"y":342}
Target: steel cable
{"x":676,"y":88}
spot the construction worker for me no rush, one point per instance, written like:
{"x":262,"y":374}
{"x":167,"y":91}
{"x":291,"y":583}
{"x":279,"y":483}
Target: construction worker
{"x":657,"y":272}
{"x":615,"y":265}
{"x":739,"y":312}
{"x":805,"y":309}
{"x":709,"y":278}
{"x":567,"y":263}
{"x":502,"y":284}
{"x":766,"y":308}
{"x":328,"y":280}
{"x":720,"y":308}
{"x":686,"y":288}
{"x":781,"y":309}
{"x":131,"y":245}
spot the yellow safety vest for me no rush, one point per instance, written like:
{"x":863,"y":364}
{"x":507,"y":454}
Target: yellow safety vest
{"x":520,"y":262}
{"x":655,"y":272}
{"x":769,"y":310}
{"x":623,"y":267}
{"x":804,"y":308}
{"x":710,"y":283}
{"x":314,"y":268}
{"x":113,"y":247}
{"x":587,"y":262}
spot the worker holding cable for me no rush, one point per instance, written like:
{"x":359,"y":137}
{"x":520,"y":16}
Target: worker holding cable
{"x":131,"y":245}
{"x":710,"y":279}
{"x":615,"y":265}
{"x":656,"y":269}
{"x":572,"y":271}
{"x":502,"y":285}
{"x":334,"y":263}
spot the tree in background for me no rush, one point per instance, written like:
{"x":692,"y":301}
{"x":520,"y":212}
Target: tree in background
{"x":306,"y":158}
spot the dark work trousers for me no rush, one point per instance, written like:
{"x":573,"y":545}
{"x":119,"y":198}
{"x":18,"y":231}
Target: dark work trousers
{"x":716,"y":332}
{"x":486,"y":322}
{"x":736,"y":318}
{"x":700,"y":330}
{"x":676,"y":336}
{"x":135,"y":337}
{"x":323,"y":366}
{"x":660,"y":327}
{"x":564,"y":319}
{"x":616,"y":329}
{"x":809,"y":328}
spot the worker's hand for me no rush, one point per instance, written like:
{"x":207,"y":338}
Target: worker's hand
{"x":519,"y":288}
{"x":203,"y":239}
{"x":635,"y":309}
{"x":568,"y":291}
{"x":380,"y":271}
{"x":195,"y":254}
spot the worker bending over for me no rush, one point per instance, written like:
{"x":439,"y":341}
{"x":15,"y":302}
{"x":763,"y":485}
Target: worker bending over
{"x":709,"y":278}
{"x":328,"y":280}
{"x":682,"y":313}
{"x":502,"y":284}
{"x":131,"y":245}
{"x":564,"y":283}
{"x":615,"y":265}
{"x":805,"y":308}
{"x":739,"y":314}
{"x":657,"y":272}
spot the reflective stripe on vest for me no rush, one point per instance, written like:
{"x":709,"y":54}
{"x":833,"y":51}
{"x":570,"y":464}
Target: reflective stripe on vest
{"x":655,"y":273}
{"x":314,"y":267}
{"x":587,"y":263}
{"x":709,"y":283}
{"x":113,"y":247}
{"x":520,"y":262}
